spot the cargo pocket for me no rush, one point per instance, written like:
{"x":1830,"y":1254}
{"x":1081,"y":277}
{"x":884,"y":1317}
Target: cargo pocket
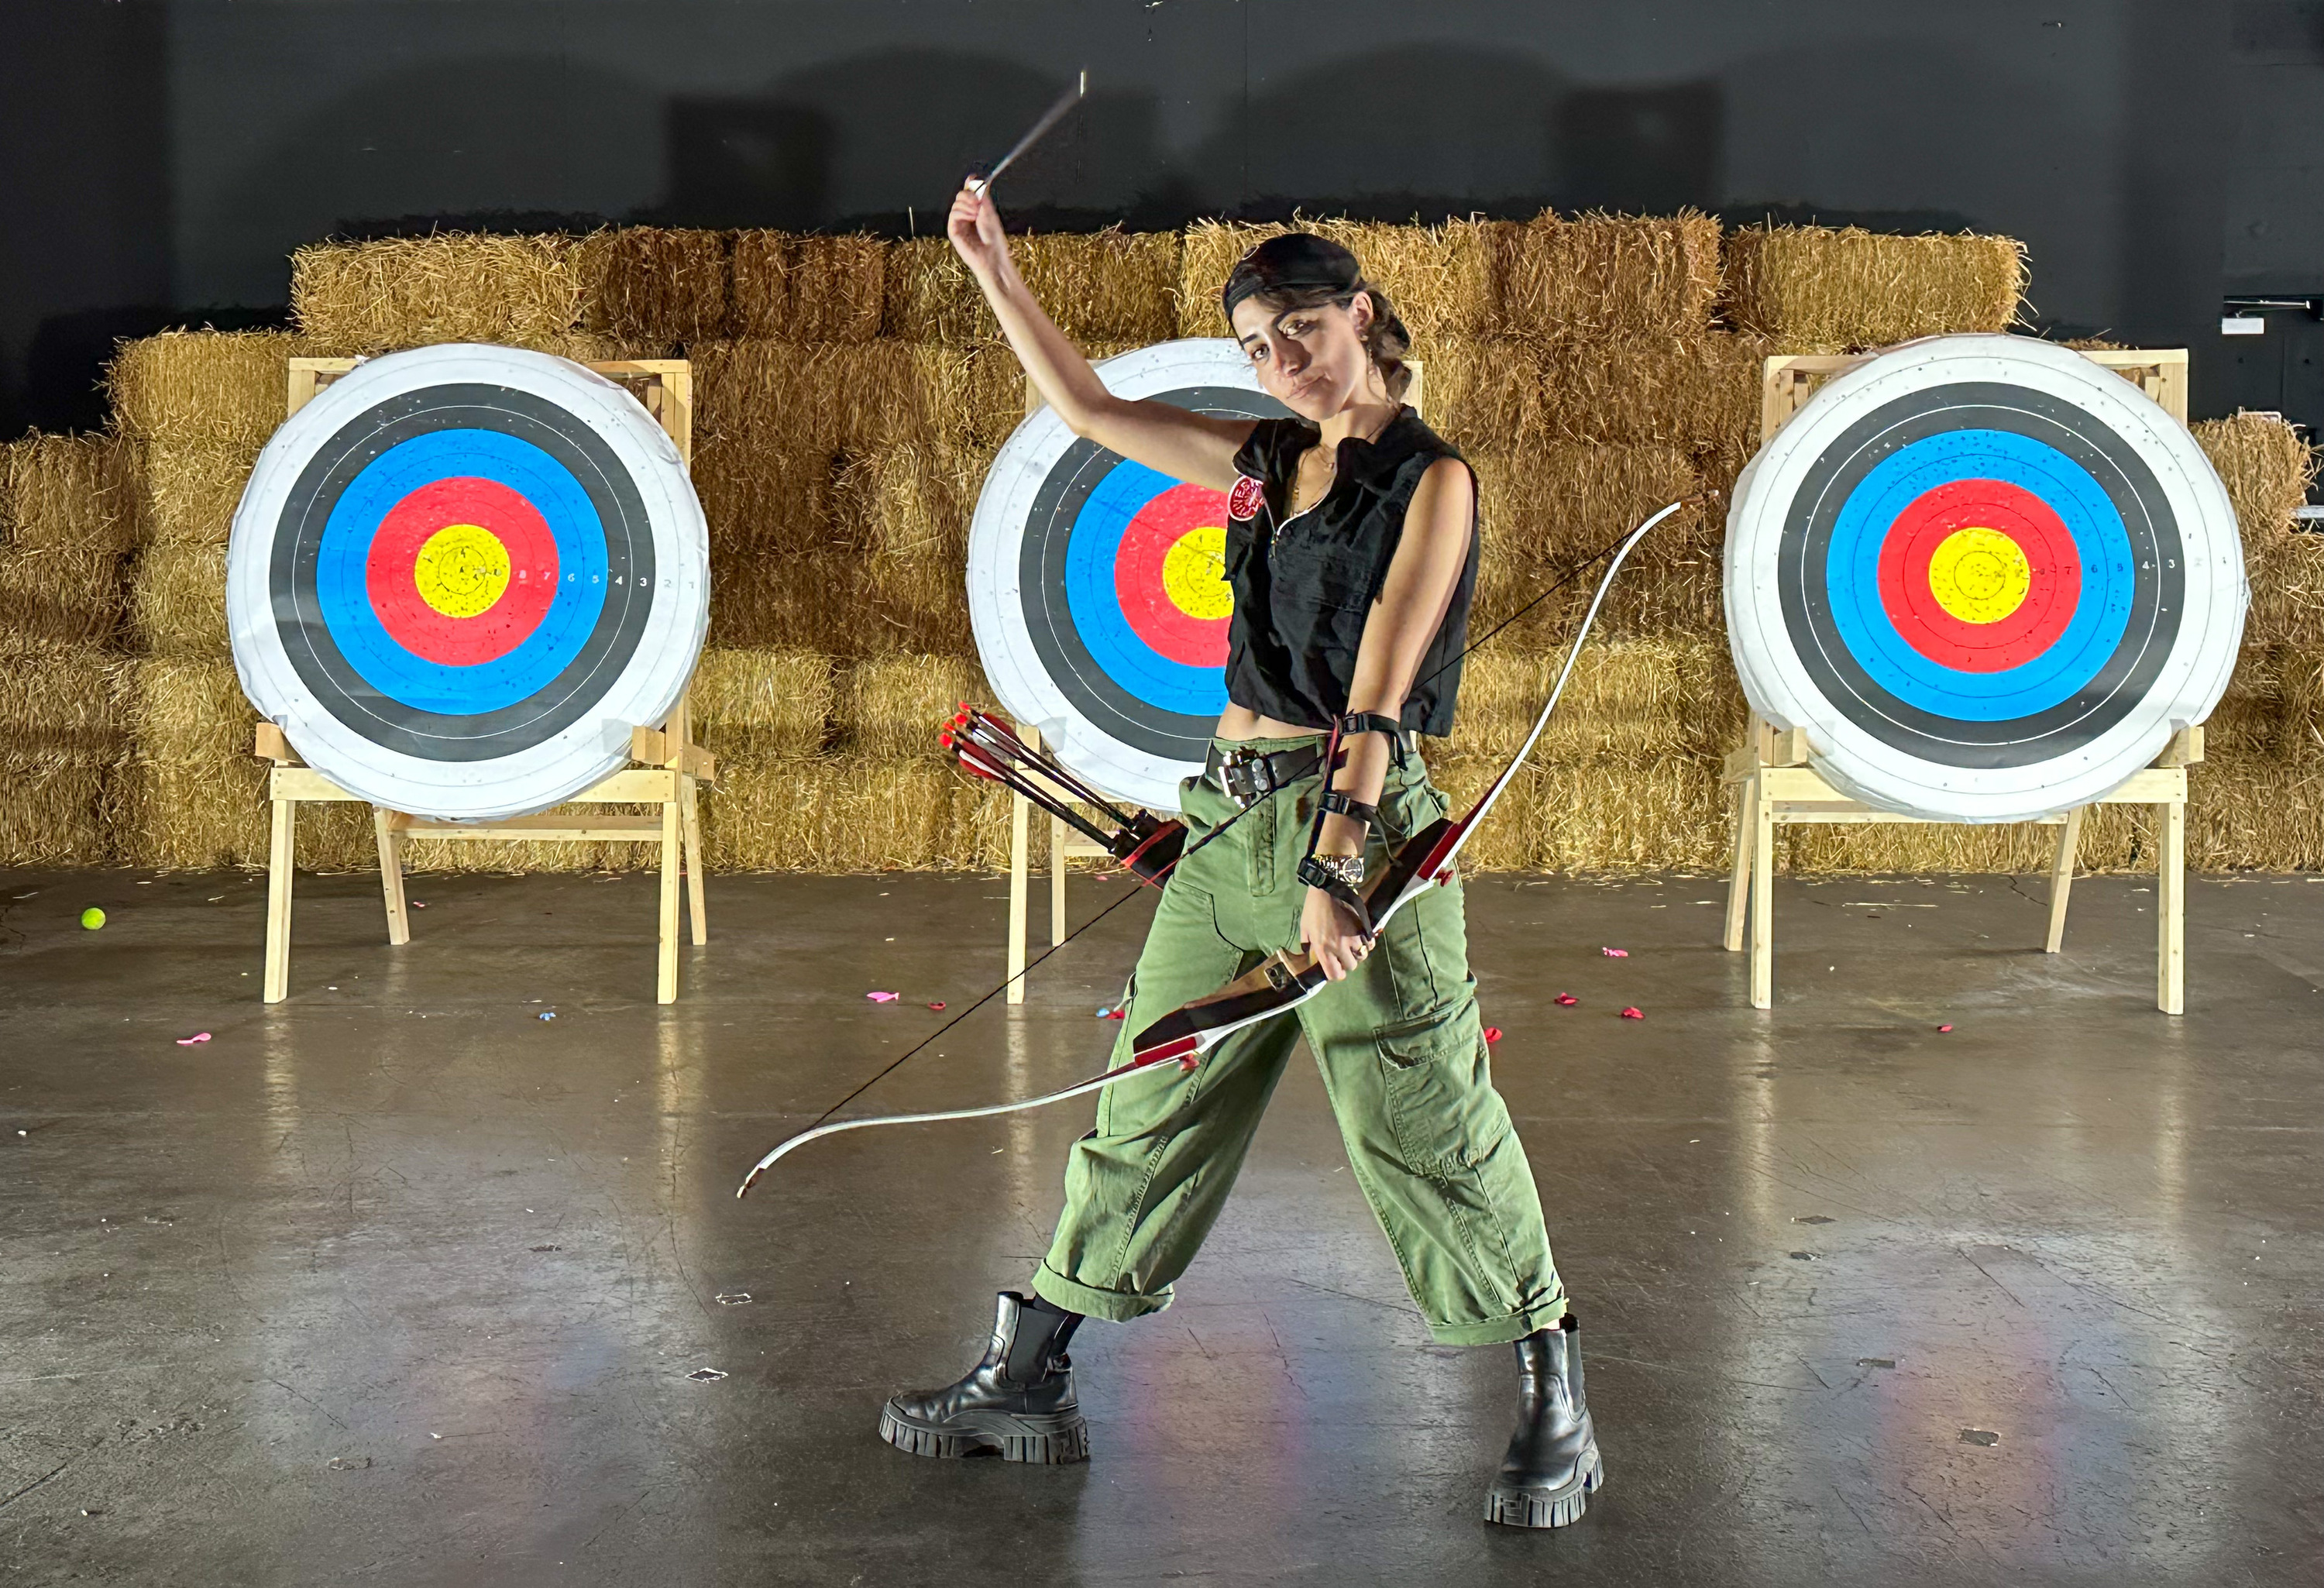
{"x":1439,"y":1087}
{"x":1454,"y":1138}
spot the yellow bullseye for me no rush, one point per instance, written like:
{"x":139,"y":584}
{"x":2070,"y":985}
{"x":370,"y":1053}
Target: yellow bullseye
{"x":461,"y":570}
{"x":1980,"y":575}
{"x":1194,"y":574}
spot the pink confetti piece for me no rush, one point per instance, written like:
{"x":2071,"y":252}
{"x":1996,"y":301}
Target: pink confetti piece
{"x":938,"y":1004}
{"x":1633,"y":1013}
{"x":1944,"y":1027}
{"x":881,"y":997}
{"x":1615,"y":953}
{"x":1492,"y":1034}
{"x":197,"y":1037}
{"x":1567,"y":1000}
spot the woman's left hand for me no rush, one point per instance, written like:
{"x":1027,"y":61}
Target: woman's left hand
{"x":1332,"y":935}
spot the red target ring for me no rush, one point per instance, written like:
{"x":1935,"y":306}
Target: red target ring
{"x":1910,"y":591}
{"x":1169,"y":576}
{"x":461,"y":570}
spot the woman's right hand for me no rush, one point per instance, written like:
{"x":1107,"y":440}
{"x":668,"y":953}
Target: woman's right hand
{"x":974,"y":228}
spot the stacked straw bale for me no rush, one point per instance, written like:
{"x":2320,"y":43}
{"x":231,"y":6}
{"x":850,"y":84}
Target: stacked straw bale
{"x":1826,"y":290}
{"x":851,"y":394}
{"x":374,"y":297}
{"x":62,"y":740}
{"x":67,"y":517}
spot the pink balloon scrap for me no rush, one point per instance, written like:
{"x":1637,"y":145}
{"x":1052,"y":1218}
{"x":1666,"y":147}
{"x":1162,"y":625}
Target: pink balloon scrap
{"x":197,"y":1037}
{"x":1615,"y":953}
{"x":881,"y":997}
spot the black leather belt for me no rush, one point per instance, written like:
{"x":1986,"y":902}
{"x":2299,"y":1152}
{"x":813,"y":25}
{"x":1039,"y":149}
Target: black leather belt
{"x":1249,"y":776}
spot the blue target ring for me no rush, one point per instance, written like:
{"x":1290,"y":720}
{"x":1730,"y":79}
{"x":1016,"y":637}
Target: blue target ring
{"x":1093,"y":561}
{"x":344,"y":599}
{"x":2068,"y":667}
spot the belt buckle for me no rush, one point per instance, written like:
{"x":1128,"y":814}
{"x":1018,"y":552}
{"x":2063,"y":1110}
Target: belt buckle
{"x":1237,"y":778}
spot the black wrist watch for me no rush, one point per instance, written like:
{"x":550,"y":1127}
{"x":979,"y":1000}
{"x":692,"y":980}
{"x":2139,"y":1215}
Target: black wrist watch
{"x":1348,"y":868}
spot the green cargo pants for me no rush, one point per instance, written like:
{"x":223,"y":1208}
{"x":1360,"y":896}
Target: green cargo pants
{"x":1402,"y":1057}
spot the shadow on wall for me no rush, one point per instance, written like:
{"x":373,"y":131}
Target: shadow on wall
{"x":881,"y":141}
{"x":508,"y":143}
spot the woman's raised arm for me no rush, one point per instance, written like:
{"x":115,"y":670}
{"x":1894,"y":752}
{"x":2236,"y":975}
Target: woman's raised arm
{"x":1190,"y":446}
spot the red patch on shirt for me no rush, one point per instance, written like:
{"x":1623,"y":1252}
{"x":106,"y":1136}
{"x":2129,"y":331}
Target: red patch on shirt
{"x":1246,"y":499}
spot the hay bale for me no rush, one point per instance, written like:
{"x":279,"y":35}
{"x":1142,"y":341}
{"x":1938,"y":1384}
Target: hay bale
{"x":194,"y":795}
{"x":189,"y":490}
{"x":821,"y":601}
{"x":795,"y":398}
{"x":453,"y":287}
{"x":1439,"y":278}
{"x":2253,"y":817}
{"x":204,"y":385}
{"x":931,"y":296}
{"x":1826,"y":290}
{"x":909,"y":508}
{"x":1545,"y":509}
{"x":176,"y":601}
{"x":845,"y":813}
{"x":765,"y":499}
{"x":2249,"y":721}
{"x":68,"y":490}
{"x":808,"y":287}
{"x":2295,"y":687}
{"x":2267,"y":470}
{"x":770,"y":703}
{"x":64,"y":734}
{"x":1637,"y":699}
{"x":892,"y":707}
{"x":55,"y":806}
{"x":1605,"y":275}
{"x":657,"y":285}
{"x":66,"y":594}
{"x":1700,"y":392}
{"x":1595,"y":815}
{"x":1107,"y":286}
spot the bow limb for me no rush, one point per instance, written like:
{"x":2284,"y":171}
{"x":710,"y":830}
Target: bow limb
{"x":1078,"y":1089}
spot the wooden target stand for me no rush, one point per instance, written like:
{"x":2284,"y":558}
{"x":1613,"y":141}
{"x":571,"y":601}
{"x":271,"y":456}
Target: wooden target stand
{"x":1775,"y":786}
{"x":1064,"y":842}
{"x":671,"y":772}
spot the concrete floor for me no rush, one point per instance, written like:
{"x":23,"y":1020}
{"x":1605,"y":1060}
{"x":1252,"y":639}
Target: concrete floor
{"x":399,"y":1283}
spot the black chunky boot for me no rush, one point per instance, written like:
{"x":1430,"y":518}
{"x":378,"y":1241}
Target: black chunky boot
{"x":1552,"y":1466}
{"x":1018,"y":1402}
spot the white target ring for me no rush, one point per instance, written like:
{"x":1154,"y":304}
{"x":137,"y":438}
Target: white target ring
{"x":1989,"y":578}
{"x":459,"y":577}
{"x":1096,"y":587}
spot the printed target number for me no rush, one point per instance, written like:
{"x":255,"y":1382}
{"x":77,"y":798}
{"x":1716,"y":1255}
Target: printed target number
{"x":1990,"y":577}
{"x":1098,"y":588}
{"x":459,"y":576}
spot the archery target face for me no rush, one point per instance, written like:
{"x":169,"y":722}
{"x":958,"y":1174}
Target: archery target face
{"x":1098,"y":587}
{"x":1989,"y":577}
{"x":459,"y":577}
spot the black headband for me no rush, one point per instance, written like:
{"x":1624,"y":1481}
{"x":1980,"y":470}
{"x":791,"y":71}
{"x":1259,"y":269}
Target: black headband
{"x":1293,"y":262}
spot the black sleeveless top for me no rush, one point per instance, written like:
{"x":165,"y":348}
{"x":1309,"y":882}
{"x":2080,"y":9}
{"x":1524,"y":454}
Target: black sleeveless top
{"x":1304,"y":586}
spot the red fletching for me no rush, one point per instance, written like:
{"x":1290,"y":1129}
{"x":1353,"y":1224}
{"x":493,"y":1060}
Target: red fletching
{"x":945,"y":739}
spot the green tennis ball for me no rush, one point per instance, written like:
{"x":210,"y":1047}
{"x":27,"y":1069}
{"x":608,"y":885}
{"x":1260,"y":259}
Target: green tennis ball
{"x":92,"y":917}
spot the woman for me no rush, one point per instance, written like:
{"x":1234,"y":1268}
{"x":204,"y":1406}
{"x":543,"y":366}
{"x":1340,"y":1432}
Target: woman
{"x":1353,"y":556}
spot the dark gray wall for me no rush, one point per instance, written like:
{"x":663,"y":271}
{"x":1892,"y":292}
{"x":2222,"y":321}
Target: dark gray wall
{"x":162,"y":159}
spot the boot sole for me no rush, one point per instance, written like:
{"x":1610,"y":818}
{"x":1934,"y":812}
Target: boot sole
{"x":1055,"y":1440}
{"x":1513,"y":1507}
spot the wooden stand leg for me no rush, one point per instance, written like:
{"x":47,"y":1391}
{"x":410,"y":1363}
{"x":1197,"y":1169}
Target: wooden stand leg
{"x":281,"y":847}
{"x":1056,"y":880}
{"x":1021,"y":822}
{"x":691,"y":815}
{"x":2062,"y":878}
{"x":391,"y":874}
{"x":1738,"y":881}
{"x":1763,"y":901}
{"x":2171,"y":912}
{"x":673,"y":844}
